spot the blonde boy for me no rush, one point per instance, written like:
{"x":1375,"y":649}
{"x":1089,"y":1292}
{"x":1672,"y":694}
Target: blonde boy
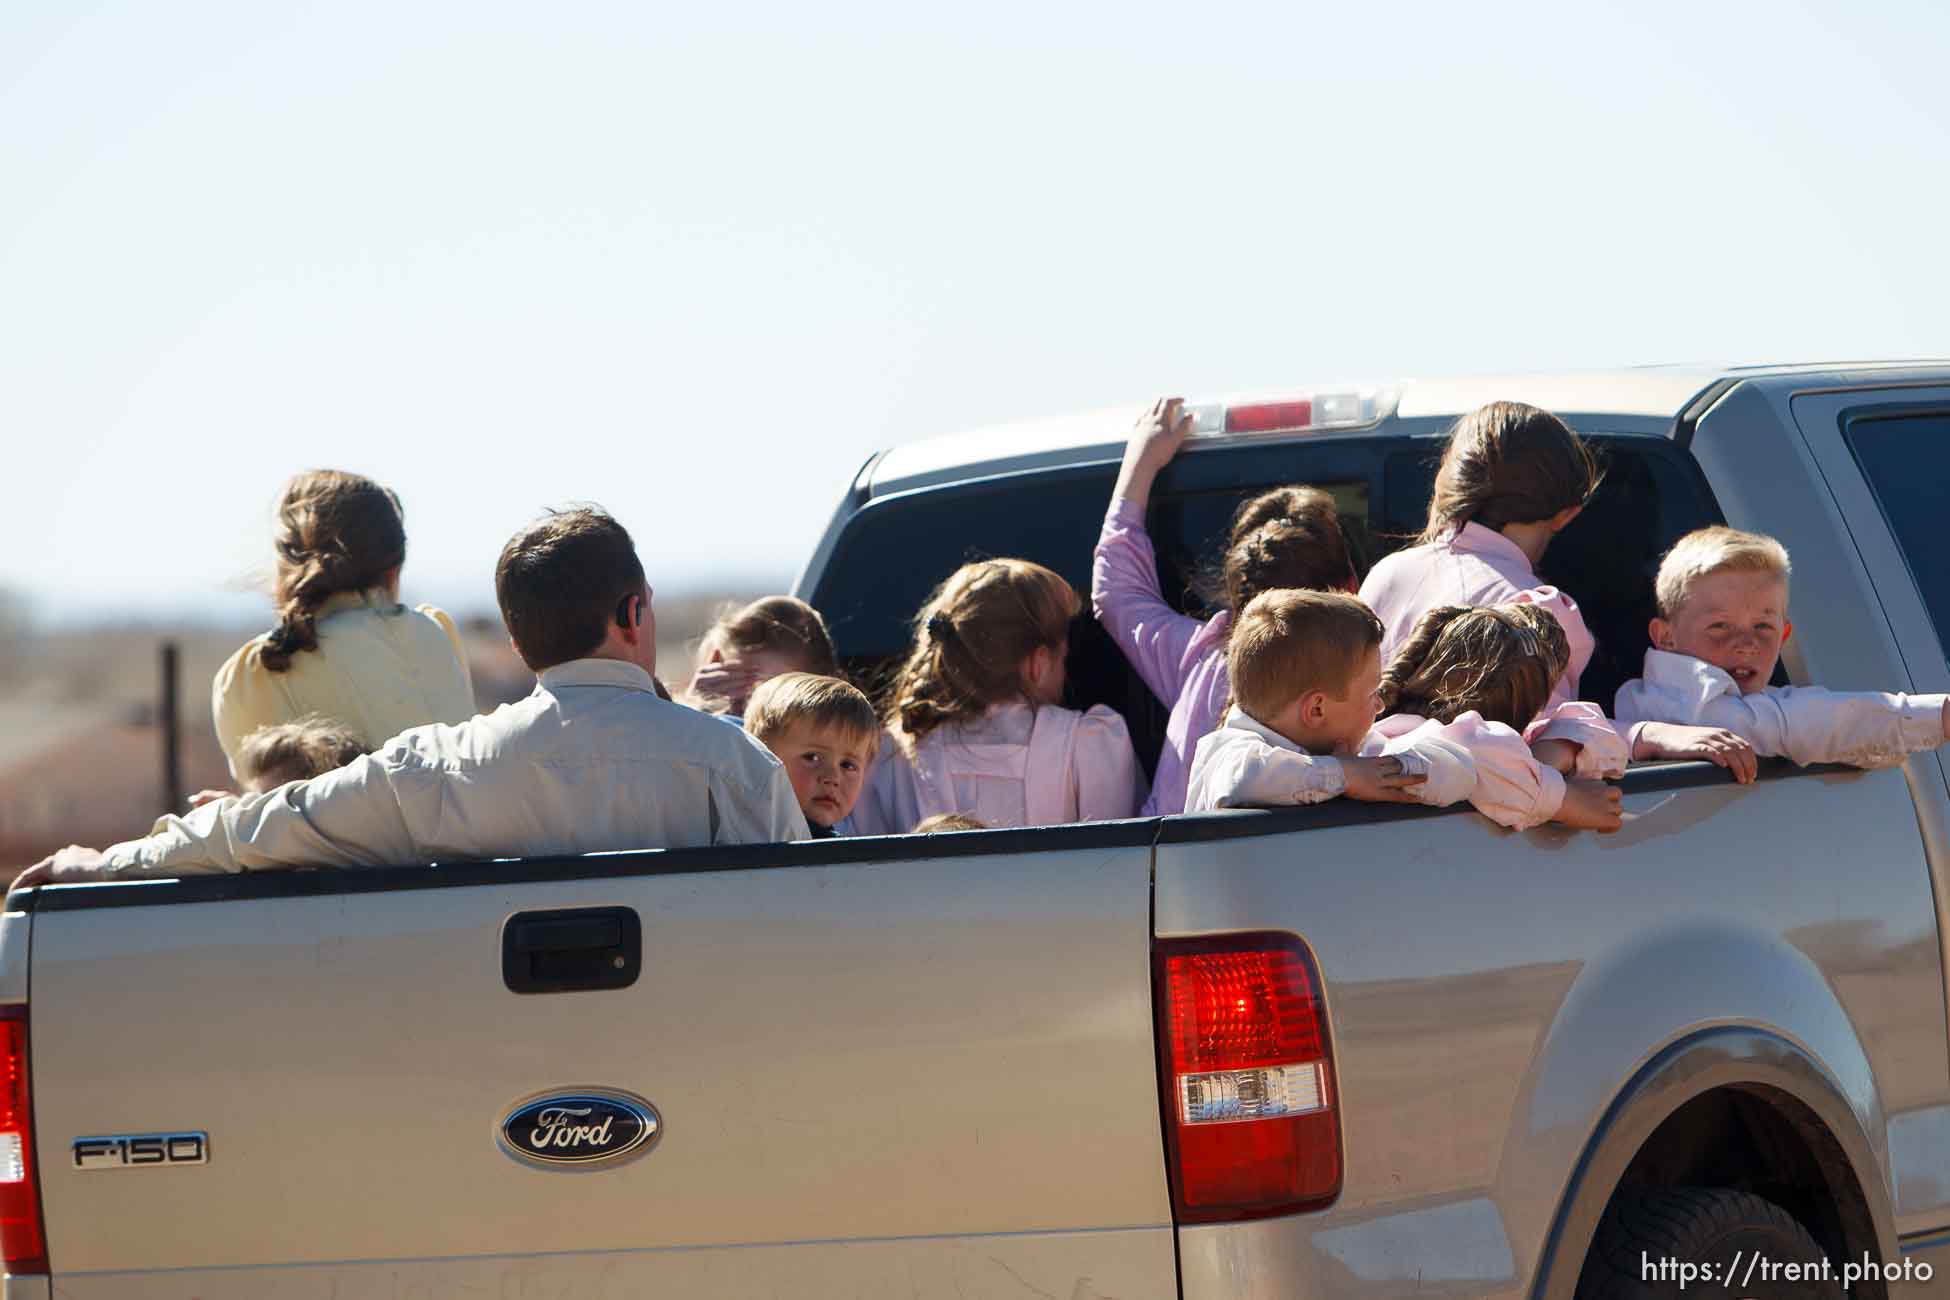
{"x":1305,"y":667}
{"x":1723,"y":597}
{"x":825,"y":732}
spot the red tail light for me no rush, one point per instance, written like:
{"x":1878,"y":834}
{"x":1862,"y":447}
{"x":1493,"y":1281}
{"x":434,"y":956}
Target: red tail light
{"x":21,"y":1243}
{"x":1252,"y":1126}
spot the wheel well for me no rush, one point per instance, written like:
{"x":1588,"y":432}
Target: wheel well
{"x":1758,"y":1139}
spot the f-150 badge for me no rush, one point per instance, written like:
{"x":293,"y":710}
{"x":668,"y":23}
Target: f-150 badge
{"x":141,"y":1150}
{"x":589,"y":1126}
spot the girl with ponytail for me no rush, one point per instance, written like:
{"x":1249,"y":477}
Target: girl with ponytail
{"x":975,"y":718}
{"x":1482,"y":673}
{"x":1288,"y":537}
{"x":1512,"y":477}
{"x":344,"y":647}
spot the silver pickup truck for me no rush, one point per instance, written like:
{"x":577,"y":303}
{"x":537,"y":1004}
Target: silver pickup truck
{"x":1338,"y":1051}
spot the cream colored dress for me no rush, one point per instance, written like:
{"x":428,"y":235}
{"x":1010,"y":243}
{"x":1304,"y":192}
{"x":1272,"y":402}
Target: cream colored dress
{"x":379,"y":668}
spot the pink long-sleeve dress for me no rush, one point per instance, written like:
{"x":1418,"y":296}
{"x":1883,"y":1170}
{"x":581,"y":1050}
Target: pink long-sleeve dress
{"x":1015,"y":765}
{"x":1472,"y":566}
{"x":1182,"y":659}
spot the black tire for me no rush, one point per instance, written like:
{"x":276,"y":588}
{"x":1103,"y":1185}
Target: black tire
{"x":1648,"y":1232}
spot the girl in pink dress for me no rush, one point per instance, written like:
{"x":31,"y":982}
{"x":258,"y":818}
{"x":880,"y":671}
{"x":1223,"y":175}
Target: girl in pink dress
{"x":1512,"y":478}
{"x":1288,"y":537}
{"x":976,"y":725}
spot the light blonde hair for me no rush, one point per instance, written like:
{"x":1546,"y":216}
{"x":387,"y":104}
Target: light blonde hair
{"x":947,"y":822}
{"x":1497,"y":660}
{"x":1287,"y":643}
{"x":1718,"y":549}
{"x":309,"y":747}
{"x":781,"y":703}
{"x":970,"y":639}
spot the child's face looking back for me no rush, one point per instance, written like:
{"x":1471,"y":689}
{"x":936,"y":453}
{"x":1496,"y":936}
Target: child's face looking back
{"x":827,"y":766}
{"x":1734,"y":620}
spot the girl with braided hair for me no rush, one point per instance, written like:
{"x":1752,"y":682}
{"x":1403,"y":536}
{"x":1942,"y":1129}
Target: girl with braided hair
{"x":344,"y":647}
{"x":1484,"y":672}
{"x":1289,"y":537}
{"x":975,"y":719}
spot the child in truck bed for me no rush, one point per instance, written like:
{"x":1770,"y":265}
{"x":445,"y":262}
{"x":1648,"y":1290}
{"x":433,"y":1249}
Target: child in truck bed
{"x":748,"y":646}
{"x":1512,"y":478}
{"x":1458,"y":680}
{"x":975,"y":719}
{"x":1305,"y":667}
{"x":1288,"y":537}
{"x":1483,"y":672}
{"x":825,"y":732}
{"x":1723,"y":597}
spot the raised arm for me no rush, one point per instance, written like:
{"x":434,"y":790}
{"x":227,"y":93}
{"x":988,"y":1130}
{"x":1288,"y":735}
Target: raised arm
{"x":1124,"y":591}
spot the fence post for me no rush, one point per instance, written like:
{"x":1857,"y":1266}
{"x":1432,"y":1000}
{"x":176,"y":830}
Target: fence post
{"x":172,"y":767}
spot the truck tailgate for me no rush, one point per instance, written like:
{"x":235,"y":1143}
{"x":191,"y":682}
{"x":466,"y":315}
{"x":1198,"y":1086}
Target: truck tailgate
{"x":933,"y":1074}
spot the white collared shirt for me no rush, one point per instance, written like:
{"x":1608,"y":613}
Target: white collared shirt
{"x":591,"y":761}
{"x":1242,"y":763}
{"x":1804,"y":723}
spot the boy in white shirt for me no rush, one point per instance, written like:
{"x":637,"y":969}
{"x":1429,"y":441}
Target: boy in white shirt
{"x":1723,"y":598}
{"x":1305,"y":667}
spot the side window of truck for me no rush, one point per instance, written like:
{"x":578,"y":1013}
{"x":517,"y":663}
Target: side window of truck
{"x":1906,"y":459}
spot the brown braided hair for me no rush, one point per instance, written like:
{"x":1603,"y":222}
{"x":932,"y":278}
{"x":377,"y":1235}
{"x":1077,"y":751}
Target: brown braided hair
{"x":335,"y":532}
{"x":970,"y":639}
{"x":1499,"y":660}
{"x":1508,"y":463}
{"x":1289,"y":537}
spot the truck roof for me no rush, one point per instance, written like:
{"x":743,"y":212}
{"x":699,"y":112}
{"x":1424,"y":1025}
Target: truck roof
{"x":1643,"y":395}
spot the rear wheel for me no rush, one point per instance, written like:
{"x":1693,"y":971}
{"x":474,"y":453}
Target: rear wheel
{"x":1705,"y":1243}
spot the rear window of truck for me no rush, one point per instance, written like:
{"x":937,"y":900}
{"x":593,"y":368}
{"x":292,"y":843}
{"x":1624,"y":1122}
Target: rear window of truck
{"x":896,"y":550}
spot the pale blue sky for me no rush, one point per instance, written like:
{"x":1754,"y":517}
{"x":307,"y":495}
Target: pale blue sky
{"x":696,"y":262}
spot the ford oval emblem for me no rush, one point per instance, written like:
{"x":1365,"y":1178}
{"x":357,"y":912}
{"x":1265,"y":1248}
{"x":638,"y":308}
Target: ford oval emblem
{"x":589,"y":1126}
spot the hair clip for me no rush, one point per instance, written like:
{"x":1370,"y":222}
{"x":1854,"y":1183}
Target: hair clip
{"x":939,"y":627}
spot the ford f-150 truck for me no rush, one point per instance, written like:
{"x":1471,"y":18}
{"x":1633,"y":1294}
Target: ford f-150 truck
{"x":1345,"y":1050}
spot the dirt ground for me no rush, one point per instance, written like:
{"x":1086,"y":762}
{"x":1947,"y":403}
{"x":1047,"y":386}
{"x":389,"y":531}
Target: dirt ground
{"x":81,"y":748}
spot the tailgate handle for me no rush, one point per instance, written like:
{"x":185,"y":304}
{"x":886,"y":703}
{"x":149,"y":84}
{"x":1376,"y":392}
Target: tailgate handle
{"x":571,"y":950}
